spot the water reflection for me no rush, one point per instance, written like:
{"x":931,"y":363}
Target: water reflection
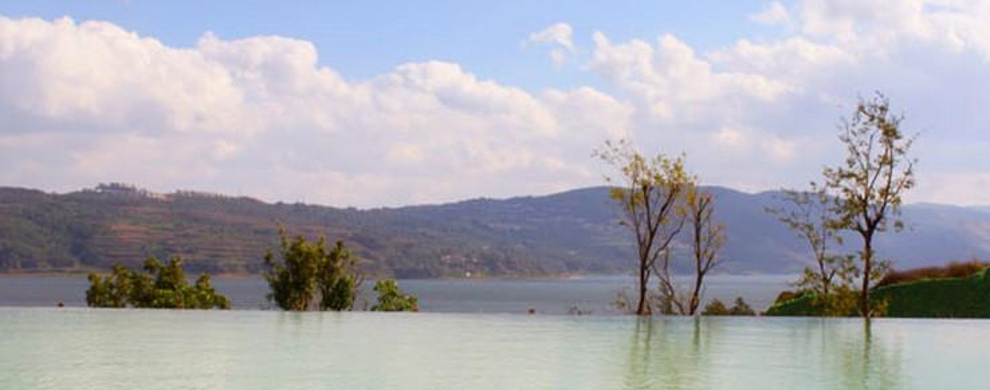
{"x":866,"y":362}
{"x":722,"y":353}
{"x":661,"y":357}
{"x":639,"y":355}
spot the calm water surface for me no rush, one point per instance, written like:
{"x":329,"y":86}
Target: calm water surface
{"x":593,"y":293}
{"x":148,"y":349}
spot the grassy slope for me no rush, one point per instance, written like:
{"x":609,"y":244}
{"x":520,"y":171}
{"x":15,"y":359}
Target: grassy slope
{"x":943,"y":298}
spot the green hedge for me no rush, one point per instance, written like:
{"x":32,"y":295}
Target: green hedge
{"x":942,"y":298}
{"x":927,"y":298}
{"x":801,"y":306}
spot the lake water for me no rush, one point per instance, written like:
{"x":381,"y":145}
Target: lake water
{"x":551,"y":296}
{"x":105,"y":349}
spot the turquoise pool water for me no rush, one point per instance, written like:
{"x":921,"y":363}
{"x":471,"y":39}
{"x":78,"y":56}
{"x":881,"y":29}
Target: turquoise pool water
{"x":145,"y":349}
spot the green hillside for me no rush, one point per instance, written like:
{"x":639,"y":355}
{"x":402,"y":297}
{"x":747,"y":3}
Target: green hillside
{"x":569,"y":232}
{"x":94,"y":229}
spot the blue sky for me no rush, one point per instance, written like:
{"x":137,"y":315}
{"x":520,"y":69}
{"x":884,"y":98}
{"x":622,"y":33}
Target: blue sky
{"x":377,"y":103}
{"x":362,"y":39}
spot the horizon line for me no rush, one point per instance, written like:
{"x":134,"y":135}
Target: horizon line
{"x":182,"y":191}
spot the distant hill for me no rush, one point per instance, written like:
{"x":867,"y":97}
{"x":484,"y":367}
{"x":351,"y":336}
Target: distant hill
{"x":569,"y":232}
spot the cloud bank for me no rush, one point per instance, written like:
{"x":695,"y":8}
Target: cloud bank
{"x":88,"y":102}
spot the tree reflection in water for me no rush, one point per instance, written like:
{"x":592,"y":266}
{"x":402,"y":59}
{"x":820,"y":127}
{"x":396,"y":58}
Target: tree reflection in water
{"x":722,"y":353}
{"x":867,"y":363}
{"x":661,"y":357}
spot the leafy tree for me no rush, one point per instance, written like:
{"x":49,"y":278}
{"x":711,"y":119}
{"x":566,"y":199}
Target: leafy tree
{"x":649,"y":192}
{"x":206,"y":296}
{"x":813,"y":216}
{"x":391,"y":298}
{"x":337,"y":279}
{"x":308,"y":273}
{"x":109,"y":291}
{"x":292,"y":277}
{"x":870,"y":182}
{"x":160,"y":287}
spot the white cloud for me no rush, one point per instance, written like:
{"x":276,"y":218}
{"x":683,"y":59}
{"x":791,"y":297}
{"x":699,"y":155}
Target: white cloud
{"x":791,"y":61}
{"x":671,"y":83}
{"x":775,"y":14}
{"x":762,"y":114}
{"x":885,"y":26}
{"x":557,"y":33}
{"x":97,"y":75}
{"x":259,"y":116}
{"x":559,"y":36}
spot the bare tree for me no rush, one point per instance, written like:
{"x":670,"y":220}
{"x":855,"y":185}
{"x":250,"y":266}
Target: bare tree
{"x":870,"y":182}
{"x":649,"y":192}
{"x":707,"y":240}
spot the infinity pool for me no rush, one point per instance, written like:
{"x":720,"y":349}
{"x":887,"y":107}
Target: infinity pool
{"x":145,"y":349}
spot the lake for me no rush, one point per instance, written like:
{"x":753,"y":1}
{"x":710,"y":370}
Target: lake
{"x":551,"y":296}
{"x":75,"y":348}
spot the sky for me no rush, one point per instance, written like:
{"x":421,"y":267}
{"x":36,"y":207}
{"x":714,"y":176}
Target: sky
{"x":372,"y":103}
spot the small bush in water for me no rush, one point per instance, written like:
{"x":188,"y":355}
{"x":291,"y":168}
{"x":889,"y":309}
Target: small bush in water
{"x":391,"y":298}
{"x":159,"y":287}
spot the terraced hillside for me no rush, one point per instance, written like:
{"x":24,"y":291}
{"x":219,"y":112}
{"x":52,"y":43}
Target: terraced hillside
{"x":98,"y":228}
{"x":570,"y":232}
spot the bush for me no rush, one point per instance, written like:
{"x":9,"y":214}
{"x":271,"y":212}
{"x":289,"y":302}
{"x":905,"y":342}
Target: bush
{"x":947,"y":297}
{"x":967,"y":297}
{"x":741,"y":308}
{"x":391,"y":298}
{"x":790,"y":303}
{"x":717,"y":308}
{"x":788,"y":295}
{"x":159,"y":287}
{"x":307,"y":273}
{"x":840,"y":303}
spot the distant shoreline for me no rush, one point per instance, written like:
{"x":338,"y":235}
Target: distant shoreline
{"x":245,"y":275}
{"x":238,"y":275}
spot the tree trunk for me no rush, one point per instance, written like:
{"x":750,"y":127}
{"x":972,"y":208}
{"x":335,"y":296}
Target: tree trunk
{"x":864,"y":295}
{"x":696,"y":295}
{"x":826,"y":280}
{"x":641,"y":307}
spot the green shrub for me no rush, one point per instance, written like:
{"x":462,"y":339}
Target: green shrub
{"x":391,"y":298}
{"x":307,"y":273}
{"x":717,"y":308}
{"x":159,"y":287}
{"x":741,"y":308}
{"x":967,"y":297}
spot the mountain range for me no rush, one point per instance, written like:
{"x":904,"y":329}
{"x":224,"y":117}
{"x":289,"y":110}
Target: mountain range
{"x":573,"y":232}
